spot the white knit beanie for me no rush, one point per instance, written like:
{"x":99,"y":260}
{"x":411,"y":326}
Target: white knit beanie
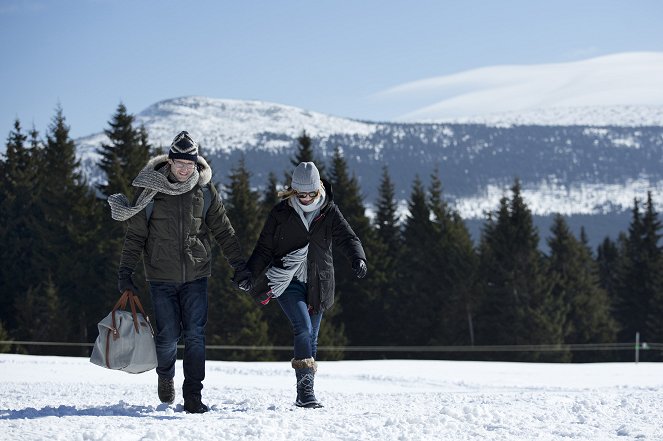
{"x":306,"y":177}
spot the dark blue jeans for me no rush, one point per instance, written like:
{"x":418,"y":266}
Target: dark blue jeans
{"x":305,"y":326}
{"x":180,"y":309}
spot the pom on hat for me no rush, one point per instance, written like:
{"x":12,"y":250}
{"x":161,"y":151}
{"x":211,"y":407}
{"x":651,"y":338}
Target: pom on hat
{"x":184,"y":147}
{"x":306,"y":177}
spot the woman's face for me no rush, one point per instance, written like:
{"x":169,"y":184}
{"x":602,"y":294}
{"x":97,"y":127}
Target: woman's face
{"x":307,"y":197}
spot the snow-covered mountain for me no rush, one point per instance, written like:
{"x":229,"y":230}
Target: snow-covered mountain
{"x":595,"y":116}
{"x":617,"y":89}
{"x":225,"y":125}
{"x":588,"y":170}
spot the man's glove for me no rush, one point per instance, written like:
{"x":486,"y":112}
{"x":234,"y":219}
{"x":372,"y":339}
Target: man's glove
{"x":359,"y":268}
{"x":242,"y":279}
{"x":125,"y":281}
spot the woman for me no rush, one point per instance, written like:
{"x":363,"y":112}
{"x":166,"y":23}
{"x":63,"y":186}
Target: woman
{"x":294,"y":264}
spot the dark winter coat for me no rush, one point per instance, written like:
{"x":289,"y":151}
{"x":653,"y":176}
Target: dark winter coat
{"x":176,"y":242}
{"x":285,"y":232}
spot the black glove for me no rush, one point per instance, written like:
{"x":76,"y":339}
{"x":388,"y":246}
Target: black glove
{"x":245,"y":285}
{"x":359,"y":268}
{"x":125,"y":281}
{"x":242,"y":279}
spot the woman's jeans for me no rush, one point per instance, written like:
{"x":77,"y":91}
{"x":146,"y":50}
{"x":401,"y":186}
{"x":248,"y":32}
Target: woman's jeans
{"x":181,"y":309}
{"x":305,"y":326}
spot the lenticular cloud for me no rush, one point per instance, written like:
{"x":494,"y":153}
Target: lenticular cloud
{"x":628,"y":79}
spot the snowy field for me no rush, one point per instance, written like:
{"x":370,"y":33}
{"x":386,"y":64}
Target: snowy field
{"x":59,"y":398}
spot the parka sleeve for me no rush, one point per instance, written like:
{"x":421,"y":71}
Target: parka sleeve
{"x":345,"y":238}
{"x":134,"y":240}
{"x":263,"y":252}
{"x":222,"y":230}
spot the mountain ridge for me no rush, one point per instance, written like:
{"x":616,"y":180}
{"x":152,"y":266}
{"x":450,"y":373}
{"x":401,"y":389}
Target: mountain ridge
{"x":569,"y":169}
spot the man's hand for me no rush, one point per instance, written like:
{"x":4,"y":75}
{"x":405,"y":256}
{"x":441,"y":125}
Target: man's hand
{"x":125,"y":281}
{"x":245,"y":285}
{"x":243,"y":279}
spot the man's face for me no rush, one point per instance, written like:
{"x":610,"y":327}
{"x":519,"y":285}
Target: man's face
{"x":181,"y":168}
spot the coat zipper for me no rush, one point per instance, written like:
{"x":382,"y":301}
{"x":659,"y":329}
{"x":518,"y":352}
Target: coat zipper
{"x":181,"y":230}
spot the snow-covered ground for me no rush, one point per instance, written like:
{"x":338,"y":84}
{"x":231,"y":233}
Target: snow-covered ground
{"x":58,"y":398}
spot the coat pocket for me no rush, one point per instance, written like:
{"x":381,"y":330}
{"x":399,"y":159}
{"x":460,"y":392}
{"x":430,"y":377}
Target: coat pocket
{"x":326,"y":288}
{"x":158,"y":252}
{"x":200,"y":250}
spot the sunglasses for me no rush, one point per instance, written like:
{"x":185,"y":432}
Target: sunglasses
{"x":305,"y":194}
{"x":184,"y":165}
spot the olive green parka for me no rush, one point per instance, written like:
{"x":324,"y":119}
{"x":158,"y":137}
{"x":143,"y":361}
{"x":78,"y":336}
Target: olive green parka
{"x":176,"y":240}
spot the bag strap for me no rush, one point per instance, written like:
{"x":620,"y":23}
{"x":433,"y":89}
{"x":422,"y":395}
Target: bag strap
{"x":132,"y":304}
{"x":129,"y":297}
{"x":140,"y":308}
{"x":121,"y":303}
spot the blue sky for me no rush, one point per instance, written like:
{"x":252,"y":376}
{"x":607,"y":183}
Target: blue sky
{"x":328,"y":56}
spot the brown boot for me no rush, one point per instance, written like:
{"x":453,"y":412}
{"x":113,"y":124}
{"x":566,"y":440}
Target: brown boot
{"x":166,"y":390}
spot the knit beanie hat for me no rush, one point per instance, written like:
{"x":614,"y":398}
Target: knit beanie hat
{"x":306,"y":177}
{"x":184,"y":147}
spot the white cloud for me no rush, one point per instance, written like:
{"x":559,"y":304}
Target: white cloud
{"x":626,"y":79}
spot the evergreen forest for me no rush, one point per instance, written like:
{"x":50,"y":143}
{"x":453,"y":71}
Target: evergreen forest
{"x":431,"y":291}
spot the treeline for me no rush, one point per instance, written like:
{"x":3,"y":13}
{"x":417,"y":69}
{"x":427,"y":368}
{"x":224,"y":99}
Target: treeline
{"x":428,"y":284}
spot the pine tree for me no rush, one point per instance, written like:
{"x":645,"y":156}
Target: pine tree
{"x":385,"y":264}
{"x":355,"y":299}
{"x":633,"y":295}
{"x":516,"y":306}
{"x":143,"y":153}
{"x":4,"y":336}
{"x":653,"y":270}
{"x":305,"y":153}
{"x":125,"y":155}
{"x":243,"y":207}
{"x":386,"y":216}
{"x":234,"y":317}
{"x":18,"y":216}
{"x":417,"y":291}
{"x":586,"y":306}
{"x":607,"y":259}
{"x":121,"y":160}
{"x":70,"y":229}
{"x":41,"y":316}
{"x":454,"y":263}
{"x":270,"y":196}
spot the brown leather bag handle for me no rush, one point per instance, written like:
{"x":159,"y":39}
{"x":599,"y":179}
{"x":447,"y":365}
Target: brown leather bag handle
{"x":129,"y":297}
{"x":140,"y":307}
{"x":121,"y":303}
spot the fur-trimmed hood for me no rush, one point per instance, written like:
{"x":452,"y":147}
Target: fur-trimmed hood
{"x":204,"y":170}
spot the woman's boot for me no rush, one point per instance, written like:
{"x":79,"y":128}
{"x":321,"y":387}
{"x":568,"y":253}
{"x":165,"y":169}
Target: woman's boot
{"x":305,"y":372}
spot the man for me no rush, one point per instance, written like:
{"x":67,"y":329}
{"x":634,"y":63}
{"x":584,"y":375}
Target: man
{"x":170,"y":226}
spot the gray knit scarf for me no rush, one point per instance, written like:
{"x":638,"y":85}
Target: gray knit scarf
{"x":295,"y":262}
{"x":155,"y":181}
